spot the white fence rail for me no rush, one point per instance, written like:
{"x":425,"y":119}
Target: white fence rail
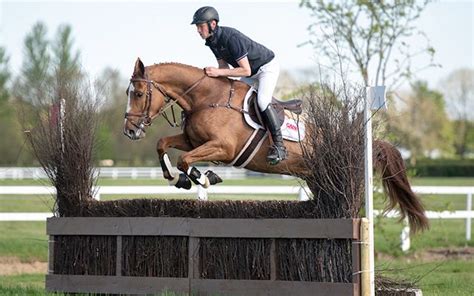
{"x":201,"y":193}
{"x":36,"y":173}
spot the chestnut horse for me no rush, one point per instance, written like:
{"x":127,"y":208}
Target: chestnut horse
{"x":215,"y":131}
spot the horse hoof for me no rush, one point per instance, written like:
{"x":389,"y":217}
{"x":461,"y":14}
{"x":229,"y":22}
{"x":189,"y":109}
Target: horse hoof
{"x":183,"y":182}
{"x":213,"y":177}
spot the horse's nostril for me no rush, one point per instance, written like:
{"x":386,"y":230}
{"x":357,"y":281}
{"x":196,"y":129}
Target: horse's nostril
{"x":129,"y":133}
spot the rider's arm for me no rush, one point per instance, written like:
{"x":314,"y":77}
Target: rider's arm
{"x":242,"y":71}
{"x":222,"y":64}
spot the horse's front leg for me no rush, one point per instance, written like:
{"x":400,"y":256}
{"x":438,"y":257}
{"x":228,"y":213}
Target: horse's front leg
{"x":209,"y":151}
{"x":179,"y":142}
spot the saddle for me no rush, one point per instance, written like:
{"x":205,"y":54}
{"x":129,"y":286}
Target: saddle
{"x":294,"y":106}
{"x":286,"y":110}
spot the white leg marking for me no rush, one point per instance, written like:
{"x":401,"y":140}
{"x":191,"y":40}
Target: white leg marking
{"x":202,"y":180}
{"x":169,"y":167}
{"x":174,"y":181}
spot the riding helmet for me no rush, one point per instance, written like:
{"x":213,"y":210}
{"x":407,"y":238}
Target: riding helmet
{"x":205,"y":14}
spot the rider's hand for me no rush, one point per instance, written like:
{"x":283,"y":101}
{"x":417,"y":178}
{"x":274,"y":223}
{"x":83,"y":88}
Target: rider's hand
{"x":212,"y":71}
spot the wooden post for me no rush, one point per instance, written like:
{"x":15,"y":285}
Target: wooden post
{"x":365,"y":257}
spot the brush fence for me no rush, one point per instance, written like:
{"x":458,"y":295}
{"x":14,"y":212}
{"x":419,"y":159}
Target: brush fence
{"x":193,"y":231}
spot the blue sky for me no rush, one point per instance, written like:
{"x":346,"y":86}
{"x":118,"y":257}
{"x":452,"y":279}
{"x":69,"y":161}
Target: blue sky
{"x":115,"y":33}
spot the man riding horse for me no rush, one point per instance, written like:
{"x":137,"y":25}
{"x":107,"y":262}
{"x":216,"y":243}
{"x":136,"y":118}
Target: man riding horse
{"x":251,"y":61}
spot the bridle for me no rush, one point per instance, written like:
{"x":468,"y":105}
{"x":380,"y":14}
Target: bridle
{"x":144,"y":118}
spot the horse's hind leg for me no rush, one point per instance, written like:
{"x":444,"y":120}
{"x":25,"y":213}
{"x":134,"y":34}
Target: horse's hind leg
{"x":209,"y":151}
{"x":178,"y":142}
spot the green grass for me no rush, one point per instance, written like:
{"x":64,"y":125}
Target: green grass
{"x":442,"y":181}
{"x":27,"y":203}
{"x":443,"y":233}
{"x":453,"y":278}
{"x":26,"y":241}
{"x":33,"y":284}
{"x":21,"y":283}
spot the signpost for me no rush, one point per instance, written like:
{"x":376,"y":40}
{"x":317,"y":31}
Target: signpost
{"x":375,"y":100}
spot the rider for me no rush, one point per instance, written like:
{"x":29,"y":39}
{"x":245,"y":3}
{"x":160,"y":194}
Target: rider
{"x":251,"y":61}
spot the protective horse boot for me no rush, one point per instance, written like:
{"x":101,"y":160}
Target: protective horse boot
{"x":277,"y":151}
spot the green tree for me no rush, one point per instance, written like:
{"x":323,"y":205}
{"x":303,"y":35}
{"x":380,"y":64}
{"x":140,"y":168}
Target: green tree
{"x":458,"y":89}
{"x":423,"y":125}
{"x":111,"y":87}
{"x":369,"y":37}
{"x":35,"y":76}
{"x":4,"y":76}
{"x":10,"y":131}
{"x":66,"y":62}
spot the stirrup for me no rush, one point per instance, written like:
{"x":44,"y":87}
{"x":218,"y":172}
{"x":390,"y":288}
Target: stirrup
{"x":276,"y":154}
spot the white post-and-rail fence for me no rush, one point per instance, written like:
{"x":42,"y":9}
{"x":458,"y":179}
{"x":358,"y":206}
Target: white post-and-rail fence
{"x":201,"y":193}
{"x":36,"y":173}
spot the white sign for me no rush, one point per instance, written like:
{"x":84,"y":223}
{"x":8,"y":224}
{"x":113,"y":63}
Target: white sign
{"x":376,"y":97}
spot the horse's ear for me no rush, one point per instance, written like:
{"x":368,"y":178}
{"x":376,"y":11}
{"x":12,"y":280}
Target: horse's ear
{"x":139,"y":68}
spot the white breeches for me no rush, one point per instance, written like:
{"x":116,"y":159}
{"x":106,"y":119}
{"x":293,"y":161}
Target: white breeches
{"x":264,"y":81}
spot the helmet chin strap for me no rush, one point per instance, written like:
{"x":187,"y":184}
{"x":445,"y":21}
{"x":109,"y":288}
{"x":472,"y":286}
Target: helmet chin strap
{"x":211,"y":31}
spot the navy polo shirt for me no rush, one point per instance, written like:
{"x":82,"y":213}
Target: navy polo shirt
{"x":230,"y":45}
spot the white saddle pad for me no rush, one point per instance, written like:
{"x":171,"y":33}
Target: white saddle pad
{"x":292,"y":129}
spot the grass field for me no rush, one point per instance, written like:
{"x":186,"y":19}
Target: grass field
{"x":451,"y":274}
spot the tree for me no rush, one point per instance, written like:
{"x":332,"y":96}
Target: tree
{"x":66,"y":63}
{"x":423,"y":125}
{"x":366,"y":35}
{"x":35,"y":71}
{"x":458,"y":89}
{"x":35,"y":74}
{"x":4,"y":76}
{"x":10,"y":131}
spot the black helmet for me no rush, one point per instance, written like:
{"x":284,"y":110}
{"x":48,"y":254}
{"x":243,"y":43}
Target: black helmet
{"x":205,"y":14}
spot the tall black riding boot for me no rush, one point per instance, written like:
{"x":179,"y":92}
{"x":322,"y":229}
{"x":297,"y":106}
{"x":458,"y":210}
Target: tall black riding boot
{"x":277,"y":151}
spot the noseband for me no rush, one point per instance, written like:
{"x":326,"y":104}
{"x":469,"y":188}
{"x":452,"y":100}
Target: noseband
{"x":144,"y":118}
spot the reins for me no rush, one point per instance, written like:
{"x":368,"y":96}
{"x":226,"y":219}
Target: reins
{"x":144,"y":118}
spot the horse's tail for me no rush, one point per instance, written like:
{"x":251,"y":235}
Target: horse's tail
{"x":389,"y":163}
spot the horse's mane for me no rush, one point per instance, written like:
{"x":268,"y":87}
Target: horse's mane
{"x":192,"y":68}
{"x":175,"y":64}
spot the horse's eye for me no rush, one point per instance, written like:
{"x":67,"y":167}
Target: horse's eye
{"x":139,"y":94}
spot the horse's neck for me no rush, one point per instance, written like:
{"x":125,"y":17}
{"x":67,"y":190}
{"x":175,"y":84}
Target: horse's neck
{"x":180,"y":79}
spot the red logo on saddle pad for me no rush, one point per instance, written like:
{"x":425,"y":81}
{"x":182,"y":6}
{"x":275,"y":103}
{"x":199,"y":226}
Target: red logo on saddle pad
{"x":291,"y":126}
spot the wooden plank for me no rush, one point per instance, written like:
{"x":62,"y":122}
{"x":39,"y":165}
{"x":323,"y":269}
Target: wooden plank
{"x":273,"y":228}
{"x":118,"y":226}
{"x":153,"y":285}
{"x":242,"y":228}
{"x":114,"y":284}
{"x":273,"y":288}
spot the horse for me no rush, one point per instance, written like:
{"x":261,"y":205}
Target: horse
{"x":214,"y":130}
